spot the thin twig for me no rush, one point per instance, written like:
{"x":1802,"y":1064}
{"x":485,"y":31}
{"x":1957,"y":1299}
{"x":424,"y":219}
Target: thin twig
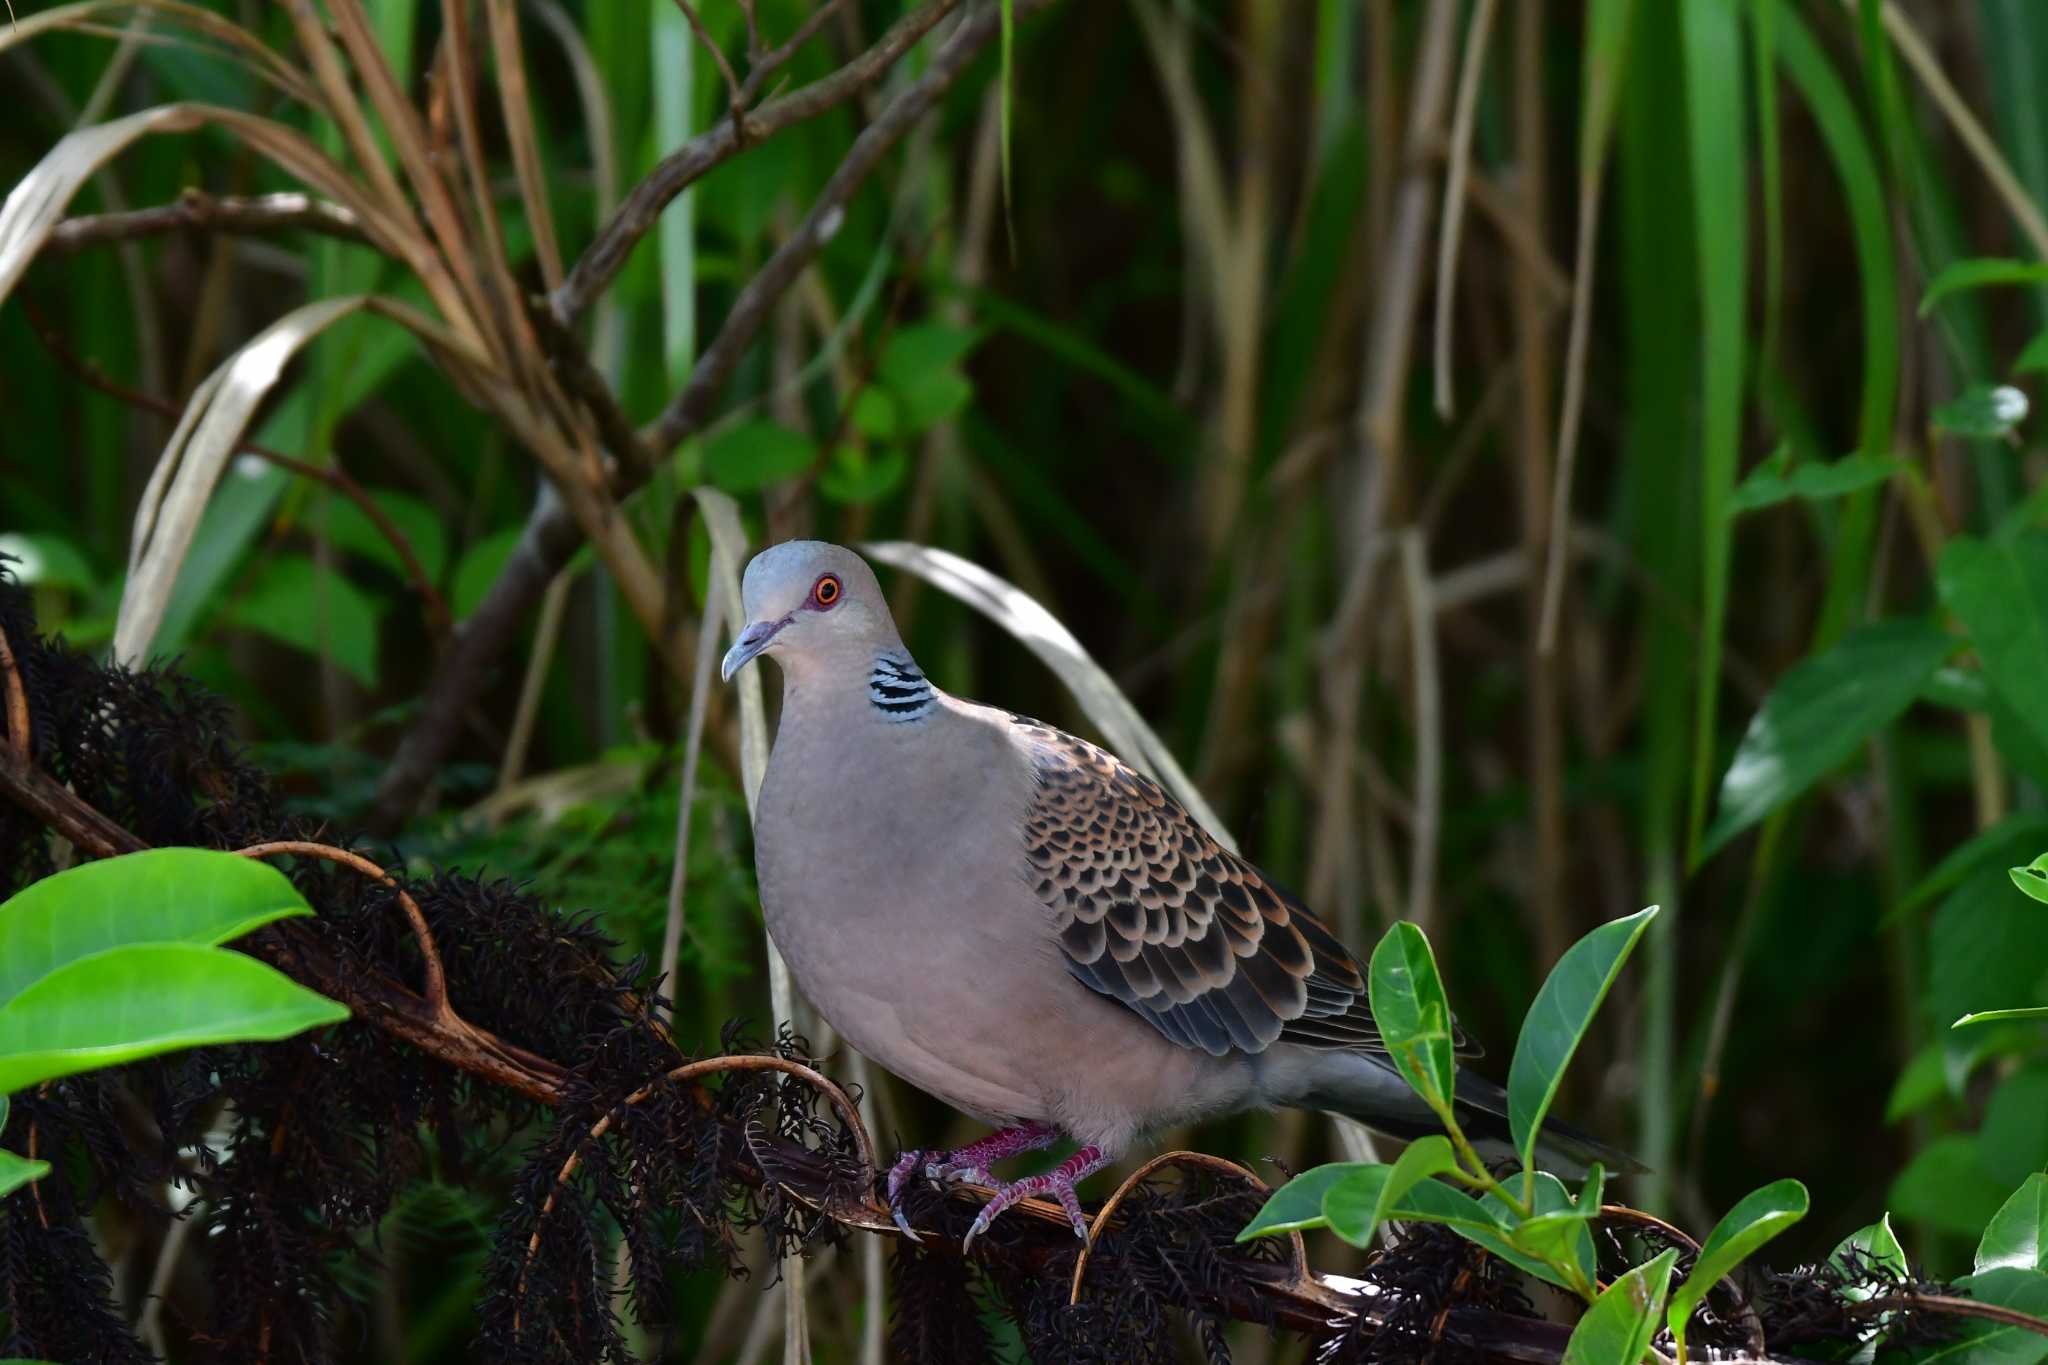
{"x":1462,"y":119}
{"x":770,"y":62}
{"x":436,"y":993}
{"x":194,"y":210}
{"x":1948,"y":1303}
{"x":18,"y":736}
{"x":736,"y":101}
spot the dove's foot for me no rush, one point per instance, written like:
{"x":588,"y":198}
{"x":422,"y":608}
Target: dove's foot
{"x":968,"y":1163}
{"x":1058,"y":1182}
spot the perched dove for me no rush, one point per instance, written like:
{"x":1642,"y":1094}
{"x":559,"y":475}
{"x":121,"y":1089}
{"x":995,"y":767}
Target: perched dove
{"x":1011,"y":919}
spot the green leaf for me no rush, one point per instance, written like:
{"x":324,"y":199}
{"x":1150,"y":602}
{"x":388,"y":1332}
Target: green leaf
{"x":16,"y":1171}
{"x":1479,"y":1222}
{"x":1821,"y":712}
{"x":1995,"y":1016}
{"x":1558,"y":1019}
{"x":1986,"y":846}
{"x":1617,"y":1329}
{"x":1355,"y":1207}
{"x":914,"y":352}
{"x":124,"y":1004}
{"x":1876,"y":1245}
{"x":1299,"y":1203}
{"x":1923,"y":1081}
{"x":931,"y":399}
{"x":161,"y":895}
{"x":874,"y":414}
{"x":1999,"y":592}
{"x":2012,"y":1141}
{"x":753,"y":455}
{"x":2034,"y":358}
{"x":1767,"y":485}
{"x":2017,"y":1235}
{"x":1561,"y":1241}
{"x":1982,"y":411}
{"x":480,"y":567}
{"x":295,"y":602}
{"x":45,"y":560}
{"x":1762,"y":1215}
{"x":853,"y":475}
{"x":1413,"y":1014}
{"x":1998,"y":1343}
{"x":1986,"y":949}
{"x":1946,"y":1188}
{"x":349,"y":527}
{"x":2033,"y":878}
{"x":1980,"y":273}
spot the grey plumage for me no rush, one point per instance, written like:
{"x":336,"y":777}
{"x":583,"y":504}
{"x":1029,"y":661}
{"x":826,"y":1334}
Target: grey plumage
{"x":1013,"y":920}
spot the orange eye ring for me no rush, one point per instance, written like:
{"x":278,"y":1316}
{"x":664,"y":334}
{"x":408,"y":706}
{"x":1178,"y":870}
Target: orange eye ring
{"x":827,"y":590}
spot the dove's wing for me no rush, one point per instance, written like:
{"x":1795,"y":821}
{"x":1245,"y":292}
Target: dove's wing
{"x":1153,"y":912}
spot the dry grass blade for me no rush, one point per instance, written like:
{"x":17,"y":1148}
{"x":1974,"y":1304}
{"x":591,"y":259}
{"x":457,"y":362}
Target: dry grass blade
{"x":517,"y":104}
{"x":242,"y":47}
{"x":1024,"y":617}
{"x":192,"y":462}
{"x":1462,"y":118}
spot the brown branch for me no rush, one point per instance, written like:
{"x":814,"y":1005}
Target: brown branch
{"x":771,"y":62}
{"x":1949,"y":1303}
{"x":195,"y":210}
{"x":437,"y":979}
{"x":18,"y":737}
{"x":636,"y":215}
{"x":333,"y":476}
{"x":579,"y":376}
{"x":736,"y":101}
{"x":688,"y":411}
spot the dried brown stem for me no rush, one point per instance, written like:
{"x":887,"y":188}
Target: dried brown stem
{"x":437,"y":979}
{"x":18,"y":737}
{"x":606,"y":255}
{"x":333,"y":476}
{"x":736,"y":100}
{"x":1949,"y":1303}
{"x":195,"y":210}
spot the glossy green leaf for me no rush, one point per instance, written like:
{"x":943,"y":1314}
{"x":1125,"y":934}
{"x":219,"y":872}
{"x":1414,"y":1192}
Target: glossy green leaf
{"x":1761,"y":1215}
{"x":1945,"y":1187}
{"x":1299,"y":1203}
{"x":1558,"y":1020}
{"x":1998,"y":1343}
{"x":2033,"y":878}
{"x":16,"y":1171}
{"x":1996,"y":1016}
{"x":1982,"y":411}
{"x":1821,"y":712}
{"x":1998,"y":589}
{"x":46,"y":560}
{"x":1766,"y":486}
{"x":1980,"y":273}
{"x":1877,"y":1245}
{"x":753,"y":455}
{"x":1617,"y":1329}
{"x":161,"y":895}
{"x":1480,"y":1222}
{"x":296,"y":602}
{"x":1413,"y":1013}
{"x":1562,"y":1229}
{"x":1356,"y":1206}
{"x":2017,"y":1236}
{"x":124,"y":1004}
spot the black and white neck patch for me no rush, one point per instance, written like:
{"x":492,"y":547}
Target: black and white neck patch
{"x":898,"y":690}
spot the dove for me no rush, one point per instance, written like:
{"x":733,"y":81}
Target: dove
{"x":1014,"y":921}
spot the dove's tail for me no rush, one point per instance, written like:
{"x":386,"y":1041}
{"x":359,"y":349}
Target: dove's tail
{"x":1367,"y":1088}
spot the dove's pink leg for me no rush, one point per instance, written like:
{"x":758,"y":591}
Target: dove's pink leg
{"x":1058,"y":1182}
{"x":969,"y":1162}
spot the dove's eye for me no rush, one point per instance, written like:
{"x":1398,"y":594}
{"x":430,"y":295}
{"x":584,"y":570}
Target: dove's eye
{"x":825,"y":592}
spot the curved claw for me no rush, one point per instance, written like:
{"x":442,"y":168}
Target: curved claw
{"x":899,"y":1176}
{"x":1058,"y":1182}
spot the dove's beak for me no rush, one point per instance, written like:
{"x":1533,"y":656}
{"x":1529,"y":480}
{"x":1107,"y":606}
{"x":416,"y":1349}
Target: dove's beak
{"x":752,"y":641}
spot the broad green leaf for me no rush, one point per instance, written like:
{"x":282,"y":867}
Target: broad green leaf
{"x":1979,"y":273}
{"x":161,"y":895}
{"x":1762,"y":1215}
{"x":1617,"y":1329}
{"x":348,"y":526}
{"x":911,"y":353}
{"x":1879,"y":1246}
{"x":479,"y":568}
{"x":2033,"y":878}
{"x":124,"y":1004}
{"x":1923,"y":1081}
{"x":1413,"y":1014}
{"x":1432,"y":1201}
{"x":1558,"y":1020}
{"x":1299,"y":1203}
{"x":1945,"y":1187}
{"x":1998,"y":589}
{"x":931,"y":398}
{"x":1563,"y":1229}
{"x":1355,"y":1207}
{"x":1820,"y":713}
{"x":1997,"y":1343}
{"x":2017,"y":1235}
{"x":46,"y":560}
{"x":1982,"y":411}
{"x":1766,"y":486}
{"x":298,"y":603}
{"x":16,"y":1171}
{"x":1986,"y":846}
{"x":753,"y":455}
{"x":854,"y":475}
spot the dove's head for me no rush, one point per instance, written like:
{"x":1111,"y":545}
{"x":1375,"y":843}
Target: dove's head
{"x":806,"y":600}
